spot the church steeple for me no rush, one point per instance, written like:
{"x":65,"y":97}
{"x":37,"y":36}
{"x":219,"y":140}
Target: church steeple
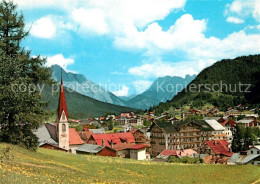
{"x":62,"y":108}
{"x":62,"y":120}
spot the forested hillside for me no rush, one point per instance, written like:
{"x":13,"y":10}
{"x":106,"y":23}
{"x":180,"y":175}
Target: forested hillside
{"x":226,"y":83}
{"x":80,"y":106}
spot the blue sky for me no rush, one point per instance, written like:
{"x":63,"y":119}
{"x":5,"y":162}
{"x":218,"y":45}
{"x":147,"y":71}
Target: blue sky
{"x":130,"y":43}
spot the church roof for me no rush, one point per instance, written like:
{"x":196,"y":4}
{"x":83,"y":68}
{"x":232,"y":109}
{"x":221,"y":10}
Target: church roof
{"x":62,"y":102}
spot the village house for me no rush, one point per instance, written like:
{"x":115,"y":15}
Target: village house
{"x":218,"y":131}
{"x":248,"y":123}
{"x":140,"y":137}
{"x":85,"y":135}
{"x":111,"y":138}
{"x":233,"y":113}
{"x":133,"y":151}
{"x":215,"y":151}
{"x":45,"y":140}
{"x":127,"y":115}
{"x":216,"y":147}
{"x":97,"y":130}
{"x":166,"y":154}
{"x":178,"y":135}
{"x":229,"y":125}
{"x":127,"y":128}
{"x":126,"y":120}
{"x":89,"y":122}
{"x":90,"y":149}
{"x":251,"y":156}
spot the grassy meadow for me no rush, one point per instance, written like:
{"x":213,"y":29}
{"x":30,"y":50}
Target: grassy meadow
{"x":49,"y":166}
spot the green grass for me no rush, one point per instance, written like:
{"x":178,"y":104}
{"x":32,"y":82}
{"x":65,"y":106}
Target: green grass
{"x":49,"y":166}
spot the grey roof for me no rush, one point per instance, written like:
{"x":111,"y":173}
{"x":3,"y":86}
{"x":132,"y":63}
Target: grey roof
{"x":214,"y":124}
{"x":176,"y":125}
{"x":88,"y":122}
{"x":44,"y":136}
{"x":242,"y":159}
{"x":245,"y":121}
{"x":211,"y":118}
{"x":257,"y":147}
{"x":98,"y":131}
{"x":90,"y":148}
{"x":52,"y":131}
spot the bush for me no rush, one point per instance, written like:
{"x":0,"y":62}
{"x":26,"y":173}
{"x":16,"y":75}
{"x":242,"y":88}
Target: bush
{"x":185,"y":160}
{"x":79,"y":128}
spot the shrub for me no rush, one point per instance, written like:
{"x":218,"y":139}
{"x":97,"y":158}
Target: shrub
{"x":186,"y":160}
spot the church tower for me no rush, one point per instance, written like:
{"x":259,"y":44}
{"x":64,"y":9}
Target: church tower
{"x":62,"y":120}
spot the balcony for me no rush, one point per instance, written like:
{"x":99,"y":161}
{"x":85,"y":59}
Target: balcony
{"x":191,"y":142}
{"x":156,"y":137}
{"x":193,"y":130}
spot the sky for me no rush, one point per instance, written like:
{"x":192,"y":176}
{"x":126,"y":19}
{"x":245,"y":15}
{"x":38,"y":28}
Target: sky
{"x":130,"y":43}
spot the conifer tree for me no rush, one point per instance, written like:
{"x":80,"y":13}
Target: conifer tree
{"x":21,"y":107}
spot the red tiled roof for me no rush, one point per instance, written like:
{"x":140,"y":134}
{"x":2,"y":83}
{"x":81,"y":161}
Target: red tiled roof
{"x":124,"y":146}
{"x":186,"y":152}
{"x":137,"y":147}
{"x":219,"y":147}
{"x":85,"y":129}
{"x":221,"y":120}
{"x":87,"y":133}
{"x":74,"y":137}
{"x":62,"y":103}
{"x":167,"y":152}
{"x":230,"y":122}
{"x":115,"y":137}
{"x":179,"y":153}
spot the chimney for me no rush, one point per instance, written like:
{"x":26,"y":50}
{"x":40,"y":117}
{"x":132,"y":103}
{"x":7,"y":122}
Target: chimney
{"x":103,"y":142}
{"x":112,"y":145}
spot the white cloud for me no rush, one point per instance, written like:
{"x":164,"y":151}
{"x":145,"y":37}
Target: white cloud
{"x":92,"y":20}
{"x":54,"y":4}
{"x":115,"y":17}
{"x":59,"y":60}
{"x":243,"y":9}
{"x":187,"y":36}
{"x":43,"y":28}
{"x":141,"y":85}
{"x":122,"y":92}
{"x":160,"y":69}
{"x":186,"y":32}
{"x":235,"y":20}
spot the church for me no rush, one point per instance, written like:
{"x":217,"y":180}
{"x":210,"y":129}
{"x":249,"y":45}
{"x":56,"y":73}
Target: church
{"x":59,"y":136}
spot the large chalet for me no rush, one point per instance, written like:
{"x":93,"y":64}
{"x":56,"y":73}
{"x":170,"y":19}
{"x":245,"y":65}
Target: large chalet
{"x":177,"y":135}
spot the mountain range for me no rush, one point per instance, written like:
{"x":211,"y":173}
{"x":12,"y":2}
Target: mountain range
{"x":153,"y":96}
{"x":82,"y":85}
{"x":161,"y":90}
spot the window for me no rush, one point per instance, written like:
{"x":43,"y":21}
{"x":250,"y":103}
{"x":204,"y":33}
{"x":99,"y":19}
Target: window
{"x":63,"y":115}
{"x":252,"y":152}
{"x":258,"y":152}
{"x":63,"y":127}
